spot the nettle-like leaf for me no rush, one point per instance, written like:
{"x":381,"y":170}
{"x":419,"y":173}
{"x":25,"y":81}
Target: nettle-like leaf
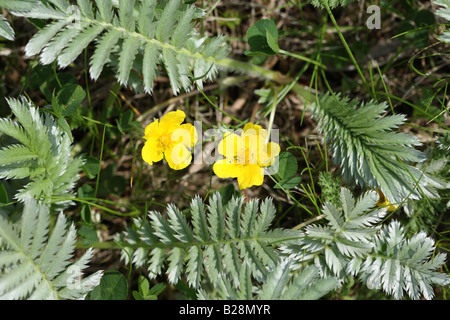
{"x":349,"y":233}
{"x":444,"y":12}
{"x":37,"y":264}
{"x":401,"y":265}
{"x":437,"y":171}
{"x":18,"y":4}
{"x":283,"y":283}
{"x":353,"y":244}
{"x":41,"y":154}
{"x":367,"y":149}
{"x":136,"y":37}
{"x":5,"y":29}
{"x":216,"y":242}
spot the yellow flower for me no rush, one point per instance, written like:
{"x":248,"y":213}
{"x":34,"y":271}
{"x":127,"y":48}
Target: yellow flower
{"x":384,"y":203}
{"x":169,"y":139}
{"x":246,"y":156}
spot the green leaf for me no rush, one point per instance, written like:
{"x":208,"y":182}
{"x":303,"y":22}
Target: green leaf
{"x":111,"y":183}
{"x":5,"y":29}
{"x":143,"y":285}
{"x":34,"y":261}
{"x":43,"y":78}
{"x":138,"y":296}
{"x":113,"y":286}
{"x":288,"y":183}
{"x":85,"y":191}
{"x":147,"y":293}
{"x":78,"y":44}
{"x":227,"y":192}
{"x":86,"y":213}
{"x":444,"y":12}
{"x":65,"y":127}
{"x":368,"y":150}
{"x":87,"y":234}
{"x":91,"y":167}
{"x":119,"y":32}
{"x":272,"y":40}
{"x":68,"y":100}
{"x":320,"y":288}
{"x":424,"y":18}
{"x":262,"y":38}
{"x":22,"y":5}
{"x":51,"y":167}
{"x":129,"y":51}
{"x":103,"y":51}
{"x":126,"y":123}
{"x":287,"y":166}
{"x":215,"y":244}
{"x":157,"y":289}
{"x":3,"y":194}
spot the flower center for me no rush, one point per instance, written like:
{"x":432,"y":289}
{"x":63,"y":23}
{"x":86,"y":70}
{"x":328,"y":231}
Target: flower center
{"x":165,"y":140}
{"x":246,"y":156}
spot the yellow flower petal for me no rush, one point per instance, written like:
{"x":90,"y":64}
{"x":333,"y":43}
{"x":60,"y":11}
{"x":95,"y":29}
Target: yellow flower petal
{"x":251,"y":175}
{"x":171,"y":121}
{"x":384,"y":203}
{"x":230,"y":145}
{"x":227,"y":168}
{"x":254,"y":129}
{"x":190,"y":136}
{"x":268,"y":153}
{"x":178,"y":157}
{"x":152,"y":129}
{"x":151,"y":152}
{"x":246,"y":156}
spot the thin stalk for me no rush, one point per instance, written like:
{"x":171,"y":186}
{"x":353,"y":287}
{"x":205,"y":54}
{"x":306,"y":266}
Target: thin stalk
{"x":309,"y":171}
{"x":100,"y":162}
{"x":272,"y":113}
{"x":347,"y":48}
{"x":216,"y":107}
{"x":301,"y":225}
{"x":300,"y":57}
{"x":385,"y":88}
{"x":93,"y":204}
{"x":289,"y":194}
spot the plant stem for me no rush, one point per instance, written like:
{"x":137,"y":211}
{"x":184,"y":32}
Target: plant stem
{"x":98,"y":245}
{"x":347,"y":48}
{"x":300,"y":57}
{"x":301,"y":225}
{"x":100,"y":162}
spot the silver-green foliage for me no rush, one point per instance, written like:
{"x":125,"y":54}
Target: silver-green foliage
{"x":282,"y":283}
{"x":215,"y":245}
{"x":37,"y":264}
{"x":5,"y":29}
{"x":18,"y":4}
{"x":444,"y":12}
{"x":398,"y":264}
{"x":368,"y":150}
{"x":41,"y":154}
{"x":137,"y":36}
{"x":233,"y":248}
{"x":348,"y":234}
{"x":353,"y":243}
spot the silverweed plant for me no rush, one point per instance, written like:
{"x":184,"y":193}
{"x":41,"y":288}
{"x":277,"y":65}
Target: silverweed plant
{"x":161,"y":150}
